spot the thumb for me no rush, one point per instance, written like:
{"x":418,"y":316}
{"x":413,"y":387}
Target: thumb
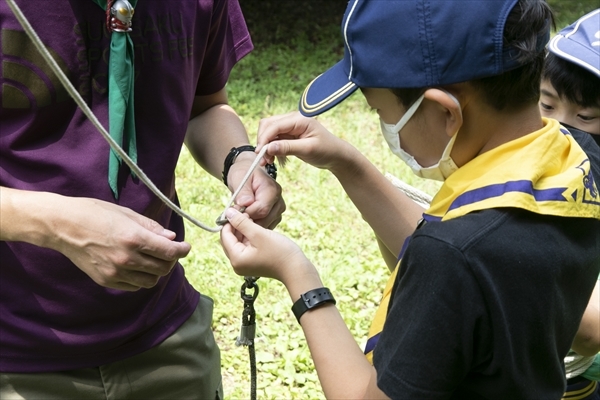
{"x":280,"y":148}
{"x":241,"y":222}
{"x":246,"y":195}
{"x":300,"y":147}
{"x":236,"y":236}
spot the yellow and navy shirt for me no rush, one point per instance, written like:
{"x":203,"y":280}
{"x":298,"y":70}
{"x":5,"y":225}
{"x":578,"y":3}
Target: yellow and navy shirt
{"x":539,"y":192}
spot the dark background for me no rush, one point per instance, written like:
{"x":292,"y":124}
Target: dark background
{"x":279,"y":21}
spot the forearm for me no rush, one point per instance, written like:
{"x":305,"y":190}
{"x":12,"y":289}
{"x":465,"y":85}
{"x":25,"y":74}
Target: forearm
{"x":343,"y":369}
{"x":392,"y":215}
{"x":390,"y":259}
{"x":28,"y":216}
{"x":212,"y":134}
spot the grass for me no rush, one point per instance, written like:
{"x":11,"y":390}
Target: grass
{"x":292,"y":45}
{"x":320,"y":218}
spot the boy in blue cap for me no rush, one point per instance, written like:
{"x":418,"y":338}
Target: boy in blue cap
{"x":570,"y":93}
{"x":494,"y":277}
{"x":570,"y":88}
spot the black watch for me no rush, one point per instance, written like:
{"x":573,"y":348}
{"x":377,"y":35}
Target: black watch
{"x":234,"y":152}
{"x":230,"y":159}
{"x":312,"y":299}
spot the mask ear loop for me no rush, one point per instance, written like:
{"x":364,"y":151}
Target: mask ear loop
{"x":449,"y":163}
{"x":408,"y":114}
{"x":459,"y":110}
{"x":451,"y":96}
{"x":409,"y":159}
{"x":455,"y":100}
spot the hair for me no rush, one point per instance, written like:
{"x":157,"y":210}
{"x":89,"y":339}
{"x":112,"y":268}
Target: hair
{"x":527,"y":21}
{"x":572,"y":82}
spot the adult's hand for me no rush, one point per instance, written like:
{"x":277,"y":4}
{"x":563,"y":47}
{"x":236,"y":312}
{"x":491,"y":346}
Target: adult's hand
{"x":261,"y":195}
{"x":114,"y":246}
{"x":213,"y":130}
{"x":117,"y":247}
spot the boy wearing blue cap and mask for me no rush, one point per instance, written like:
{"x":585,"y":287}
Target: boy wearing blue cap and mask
{"x":494,"y":277}
{"x":570,"y":93}
{"x":570,"y":89}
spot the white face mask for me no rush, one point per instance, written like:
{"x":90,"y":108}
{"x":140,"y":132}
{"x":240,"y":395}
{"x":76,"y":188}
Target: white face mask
{"x":439,"y":171}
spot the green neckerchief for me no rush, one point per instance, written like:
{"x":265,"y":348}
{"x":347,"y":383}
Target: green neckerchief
{"x":121,"y":119}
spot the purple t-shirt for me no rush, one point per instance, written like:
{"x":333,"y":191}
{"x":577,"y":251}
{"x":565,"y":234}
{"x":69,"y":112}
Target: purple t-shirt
{"x":52,"y":315}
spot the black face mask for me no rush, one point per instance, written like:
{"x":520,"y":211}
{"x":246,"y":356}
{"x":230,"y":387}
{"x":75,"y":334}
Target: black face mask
{"x":596,"y":138}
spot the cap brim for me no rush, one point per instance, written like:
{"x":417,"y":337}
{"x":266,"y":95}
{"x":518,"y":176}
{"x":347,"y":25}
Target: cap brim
{"x":575,"y":53}
{"x":578,"y":43}
{"x":326,"y":91}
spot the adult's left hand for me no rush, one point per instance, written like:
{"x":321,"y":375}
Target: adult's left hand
{"x":261,"y":195}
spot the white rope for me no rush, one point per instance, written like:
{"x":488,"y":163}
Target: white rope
{"x":89,"y":113}
{"x":419,"y":197}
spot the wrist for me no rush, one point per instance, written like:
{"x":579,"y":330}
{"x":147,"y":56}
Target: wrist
{"x":231,"y":157}
{"x":27,"y":216}
{"x":311,"y":300}
{"x":300,"y":278}
{"x":246,"y":157}
{"x":346,"y":163}
{"x":243,"y":152}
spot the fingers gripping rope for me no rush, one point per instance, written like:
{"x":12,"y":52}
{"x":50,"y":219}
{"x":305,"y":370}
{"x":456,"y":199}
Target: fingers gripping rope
{"x":222,"y":220}
{"x":117,"y":149}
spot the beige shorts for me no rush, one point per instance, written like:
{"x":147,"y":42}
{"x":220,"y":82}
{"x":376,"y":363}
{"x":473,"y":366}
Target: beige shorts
{"x":187,"y":365}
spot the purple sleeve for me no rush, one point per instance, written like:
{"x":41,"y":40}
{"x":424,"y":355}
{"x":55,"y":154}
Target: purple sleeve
{"x":228,"y":42}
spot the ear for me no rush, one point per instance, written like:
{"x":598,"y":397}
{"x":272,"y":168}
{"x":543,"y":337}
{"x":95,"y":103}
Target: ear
{"x":449,"y":104}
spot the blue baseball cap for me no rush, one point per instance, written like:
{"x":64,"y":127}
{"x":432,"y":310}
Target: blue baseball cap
{"x":579,"y":42}
{"x":415,"y":44}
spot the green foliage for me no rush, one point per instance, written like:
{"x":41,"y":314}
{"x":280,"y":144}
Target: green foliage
{"x":568,"y":11}
{"x":293,"y":45}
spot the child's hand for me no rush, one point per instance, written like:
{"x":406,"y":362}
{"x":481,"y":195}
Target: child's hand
{"x":294,"y":134}
{"x":256,"y":251}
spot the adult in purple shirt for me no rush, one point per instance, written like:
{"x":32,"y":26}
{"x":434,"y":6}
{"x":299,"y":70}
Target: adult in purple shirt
{"x":93,"y":301}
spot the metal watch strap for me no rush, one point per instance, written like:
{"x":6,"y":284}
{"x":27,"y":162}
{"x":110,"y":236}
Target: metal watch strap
{"x":312,"y":299}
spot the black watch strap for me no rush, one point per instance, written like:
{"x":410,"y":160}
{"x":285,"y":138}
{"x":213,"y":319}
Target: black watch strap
{"x":312,"y":299}
{"x":234,"y":152}
{"x":230,"y":159}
